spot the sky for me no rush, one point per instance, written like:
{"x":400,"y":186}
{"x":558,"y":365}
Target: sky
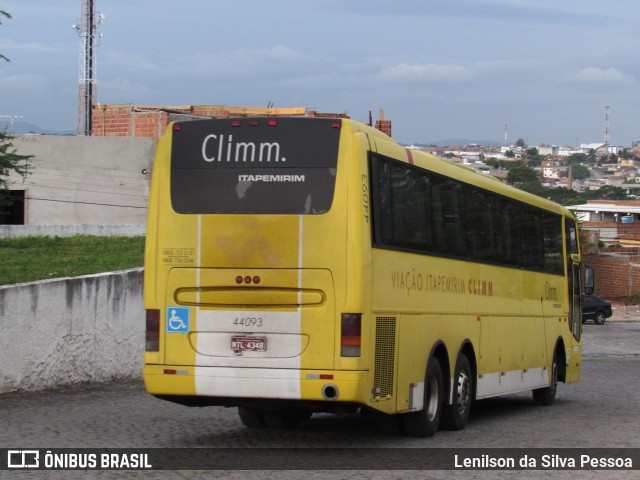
{"x":440,"y":69}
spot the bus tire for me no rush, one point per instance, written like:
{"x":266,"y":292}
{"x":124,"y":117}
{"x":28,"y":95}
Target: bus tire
{"x":426,"y":422}
{"x":251,"y":417}
{"x":280,"y":420}
{"x":545,"y":396}
{"x":456,"y":415}
{"x":389,"y":424}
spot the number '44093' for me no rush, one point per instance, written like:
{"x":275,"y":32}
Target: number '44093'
{"x":248,"y":321}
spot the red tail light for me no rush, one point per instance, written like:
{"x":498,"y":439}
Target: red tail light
{"x":152,"y":337}
{"x":350,"y":337}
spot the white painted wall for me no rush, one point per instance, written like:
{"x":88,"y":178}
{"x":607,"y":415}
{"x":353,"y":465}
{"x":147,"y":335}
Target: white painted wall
{"x":65,"y":331}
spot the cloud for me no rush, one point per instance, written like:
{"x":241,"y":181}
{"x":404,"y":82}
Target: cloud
{"x":604,"y":76}
{"x":446,"y":73}
{"x":23,"y":83}
{"x":130,"y":62}
{"x":489,"y":11}
{"x":425,"y":73}
{"x":122,"y":90}
{"x":266,"y":61}
{"x":34,"y":47}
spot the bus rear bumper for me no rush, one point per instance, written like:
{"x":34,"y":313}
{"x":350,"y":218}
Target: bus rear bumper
{"x":256,"y":383}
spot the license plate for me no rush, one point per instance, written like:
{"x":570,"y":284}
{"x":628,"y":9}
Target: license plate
{"x":254,"y":344}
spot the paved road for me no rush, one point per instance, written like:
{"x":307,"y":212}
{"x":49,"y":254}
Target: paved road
{"x":603,"y":410}
{"x":612,"y":339}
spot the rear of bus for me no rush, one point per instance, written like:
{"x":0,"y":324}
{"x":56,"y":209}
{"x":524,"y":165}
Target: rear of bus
{"x":248,"y":296}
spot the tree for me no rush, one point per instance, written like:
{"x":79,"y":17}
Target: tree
{"x":577,"y":158}
{"x":611,"y":192}
{"x":10,"y":161}
{"x":520,"y":173}
{"x":580,"y":172}
{"x":521,"y":143}
{"x":626,"y":154}
{"x":493,"y":163}
{"x":534,"y":159}
{"x":6,"y":15}
{"x":524,"y":178}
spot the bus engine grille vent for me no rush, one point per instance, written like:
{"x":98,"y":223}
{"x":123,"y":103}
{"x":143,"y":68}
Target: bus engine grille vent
{"x":383,"y":373}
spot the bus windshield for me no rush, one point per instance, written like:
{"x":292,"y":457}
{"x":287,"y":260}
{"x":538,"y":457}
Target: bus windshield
{"x":254,"y":166}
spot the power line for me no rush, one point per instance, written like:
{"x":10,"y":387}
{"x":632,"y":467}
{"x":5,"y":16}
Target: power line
{"x":87,"y":191}
{"x":97,"y":182}
{"x":75,"y":202}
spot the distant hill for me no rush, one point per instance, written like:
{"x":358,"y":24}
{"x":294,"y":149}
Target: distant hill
{"x":460,"y":142}
{"x":24,"y":128}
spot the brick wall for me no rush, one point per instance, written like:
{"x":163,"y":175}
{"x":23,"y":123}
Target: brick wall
{"x":149,"y":121}
{"x":111,"y":122}
{"x":384,"y":126}
{"x":617,"y":277}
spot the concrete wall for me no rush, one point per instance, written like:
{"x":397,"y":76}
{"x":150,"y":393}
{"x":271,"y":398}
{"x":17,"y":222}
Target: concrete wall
{"x":92,"y":180}
{"x":64,"y":331}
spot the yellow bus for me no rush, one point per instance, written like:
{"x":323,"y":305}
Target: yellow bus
{"x":301,"y":265}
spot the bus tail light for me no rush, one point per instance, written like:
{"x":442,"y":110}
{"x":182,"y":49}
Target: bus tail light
{"x":152,"y":336}
{"x":350,"y":339}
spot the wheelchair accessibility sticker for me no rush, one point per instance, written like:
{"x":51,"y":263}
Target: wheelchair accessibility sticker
{"x":177,"y":320}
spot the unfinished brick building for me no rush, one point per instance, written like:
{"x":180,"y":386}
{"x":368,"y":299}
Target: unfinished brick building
{"x":150,"y":121}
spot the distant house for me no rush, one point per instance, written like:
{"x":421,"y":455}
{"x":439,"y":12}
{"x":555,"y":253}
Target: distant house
{"x":553,"y":170}
{"x":600,"y":148}
{"x":615,"y":221}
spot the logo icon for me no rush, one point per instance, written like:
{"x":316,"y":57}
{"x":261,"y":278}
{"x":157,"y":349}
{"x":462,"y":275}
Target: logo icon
{"x":23,"y":459}
{"x":177,"y":320}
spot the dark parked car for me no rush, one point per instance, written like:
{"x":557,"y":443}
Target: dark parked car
{"x":595,"y":308}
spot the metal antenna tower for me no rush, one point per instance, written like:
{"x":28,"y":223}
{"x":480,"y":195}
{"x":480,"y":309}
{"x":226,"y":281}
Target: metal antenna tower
{"x":606,"y":124}
{"x":87,"y":28}
{"x":506,"y":128}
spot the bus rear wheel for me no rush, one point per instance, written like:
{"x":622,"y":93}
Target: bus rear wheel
{"x":251,"y":417}
{"x":284,"y":420}
{"x":456,"y":415}
{"x":426,"y":422}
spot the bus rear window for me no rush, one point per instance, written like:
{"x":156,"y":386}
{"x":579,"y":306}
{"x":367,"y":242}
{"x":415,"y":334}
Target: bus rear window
{"x":260,"y":165}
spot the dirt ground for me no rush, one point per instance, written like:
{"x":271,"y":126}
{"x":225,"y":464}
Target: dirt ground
{"x":625,"y":313}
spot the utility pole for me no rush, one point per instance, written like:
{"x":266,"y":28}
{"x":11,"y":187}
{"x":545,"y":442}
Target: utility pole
{"x":87,"y":28}
{"x":11,"y":119}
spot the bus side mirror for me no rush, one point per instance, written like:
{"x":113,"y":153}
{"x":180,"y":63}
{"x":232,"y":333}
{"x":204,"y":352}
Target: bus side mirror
{"x":588,"y":280}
